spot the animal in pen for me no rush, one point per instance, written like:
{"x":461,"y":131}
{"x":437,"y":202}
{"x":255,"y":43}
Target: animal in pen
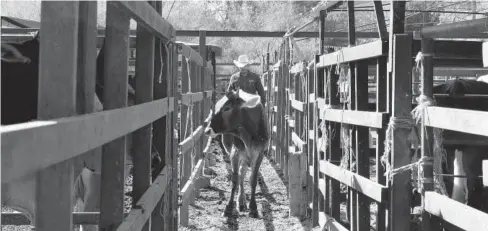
{"x":19,"y":105}
{"x":463,"y":162}
{"x":240,"y":119}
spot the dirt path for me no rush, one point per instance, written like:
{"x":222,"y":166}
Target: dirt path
{"x":271,"y":198}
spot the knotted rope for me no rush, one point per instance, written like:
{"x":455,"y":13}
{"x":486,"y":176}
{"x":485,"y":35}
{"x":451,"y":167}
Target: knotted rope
{"x":410,"y":122}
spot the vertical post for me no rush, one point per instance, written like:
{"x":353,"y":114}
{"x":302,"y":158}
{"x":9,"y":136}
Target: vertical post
{"x":173,"y":140}
{"x":203,"y":83}
{"x":87,"y":56}
{"x":286,"y":106}
{"x":115,"y":96}
{"x":362,"y":144}
{"x":186,"y":158}
{"x":144,"y":93}
{"x":380,"y":19}
{"x":397,"y":26}
{"x":429,"y":222}
{"x":333,"y":148}
{"x":352,"y":201}
{"x":214,"y":77}
{"x":400,"y":191}
{"x":313,"y":118}
{"x":322,"y":15}
{"x":57,"y":80}
{"x":159,"y":126}
{"x":381,"y":106}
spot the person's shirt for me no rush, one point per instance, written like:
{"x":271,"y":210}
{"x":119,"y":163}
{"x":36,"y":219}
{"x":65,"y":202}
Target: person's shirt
{"x":249,"y":82}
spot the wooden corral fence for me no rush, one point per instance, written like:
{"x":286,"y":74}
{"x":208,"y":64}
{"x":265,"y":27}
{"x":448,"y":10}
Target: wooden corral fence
{"x":332,"y":131}
{"x":45,"y":150}
{"x":196,"y":92}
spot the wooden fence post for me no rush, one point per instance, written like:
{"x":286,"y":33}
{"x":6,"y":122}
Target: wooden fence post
{"x":87,"y":58}
{"x":159,"y":126}
{"x":400,"y":188}
{"x":142,"y":137}
{"x":58,"y":46}
{"x":115,"y":96}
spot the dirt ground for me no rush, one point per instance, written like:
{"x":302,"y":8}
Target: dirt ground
{"x":271,"y":198}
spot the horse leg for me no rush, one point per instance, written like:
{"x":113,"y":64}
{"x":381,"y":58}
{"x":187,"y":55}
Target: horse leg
{"x":254,"y":178}
{"x":234,"y":159}
{"x":242,"y":175}
{"x":460,"y":187}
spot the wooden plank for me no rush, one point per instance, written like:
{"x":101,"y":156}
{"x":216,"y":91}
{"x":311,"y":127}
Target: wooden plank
{"x":359,"y":183}
{"x":190,"y":98}
{"x":400,"y":194}
{"x":114,"y":96}
{"x":57,"y":80}
{"x":349,"y":54}
{"x":456,"y":29}
{"x":330,"y":223}
{"x":158,"y":221}
{"x":362,"y":144}
{"x":189,"y":142}
{"x":397,"y":26}
{"x":485,"y":54}
{"x":79,"y":218}
{"x":380,"y":20}
{"x":427,"y":144}
{"x":456,"y":213}
{"x":148,"y":17}
{"x":333,"y":153}
{"x":188,"y":192}
{"x":296,"y":140}
{"x":460,"y":120}
{"x":298,"y":105}
{"x":190,"y":54}
{"x":87,"y":56}
{"x":142,"y":138}
{"x":59,"y":140}
{"x":485,"y":172}
{"x":142,"y":210}
{"x":174,"y":142}
{"x":360,"y":118}
{"x":209,"y":94}
{"x":381,"y":106}
{"x":326,"y":7}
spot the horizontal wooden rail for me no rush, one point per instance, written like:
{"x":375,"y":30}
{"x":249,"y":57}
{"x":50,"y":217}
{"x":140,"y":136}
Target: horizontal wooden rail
{"x":146,"y":16}
{"x":79,"y":218}
{"x":187,"y":192}
{"x":332,"y":224}
{"x":191,"y":54}
{"x":32,"y":146}
{"x":190,"y":184}
{"x":298,"y":105}
{"x":191,"y":97}
{"x":217,"y":33}
{"x":142,"y":211}
{"x":359,"y":183}
{"x":468,"y":121}
{"x":456,"y":213}
{"x":297,"y":140}
{"x":190,"y":141}
{"x":360,"y":118}
{"x":456,"y":29}
{"x":350,"y":54}
{"x":209,"y":93}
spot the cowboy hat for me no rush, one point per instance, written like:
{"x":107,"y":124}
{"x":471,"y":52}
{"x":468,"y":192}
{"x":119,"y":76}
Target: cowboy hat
{"x":242,"y":61}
